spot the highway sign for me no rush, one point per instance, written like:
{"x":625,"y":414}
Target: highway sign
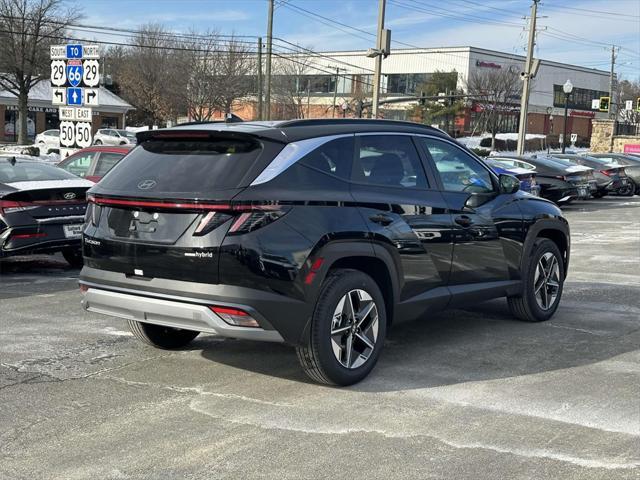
{"x":83,"y":134}
{"x":595,"y":104}
{"x":74,"y":51}
{"x":67,"y":134}
{"x":59,"y":96}
{"x":58,"y":73}
{"x":58,"y":52}
{"x":74,"y":96}
{"x":91,"y":51}
{"x":628,"y":105}
{"x":74,"y":73}
{"x":91,"y":97}
{"x":574,"y":138}
{"x":91,"y":73}
{"x":75,"y":114}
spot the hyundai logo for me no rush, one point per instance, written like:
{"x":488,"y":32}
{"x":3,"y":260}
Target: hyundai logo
{"x":147,"y":184}
{"x":69,"y":196}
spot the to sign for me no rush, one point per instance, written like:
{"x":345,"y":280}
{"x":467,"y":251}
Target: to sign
{"x":90,"y":73}
{"x":58,"y":73}
{"x":67,"y":134}
{"x":83,"y":134}
{"x":74,"y":51}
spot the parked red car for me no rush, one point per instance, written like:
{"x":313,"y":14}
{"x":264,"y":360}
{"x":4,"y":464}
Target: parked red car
{"x":94,"y":162}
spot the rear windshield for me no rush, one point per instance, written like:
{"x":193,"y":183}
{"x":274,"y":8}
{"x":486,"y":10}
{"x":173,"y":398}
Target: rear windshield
{"x":31,"y":172}
{"x":185,"y":168}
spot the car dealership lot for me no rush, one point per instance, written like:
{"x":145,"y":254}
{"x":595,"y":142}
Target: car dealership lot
{"x":466,"y":394}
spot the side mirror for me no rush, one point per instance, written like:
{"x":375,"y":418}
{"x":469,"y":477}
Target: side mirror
{"x":509,"y":184}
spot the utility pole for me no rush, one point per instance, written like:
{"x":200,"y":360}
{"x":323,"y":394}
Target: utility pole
{"x":335,"y":89}
{"x":613,"y":102}
{"x":267,"y":99}
{"x":524,"y":102}
{"x":378,"y":67}
{"x":260,"y":92}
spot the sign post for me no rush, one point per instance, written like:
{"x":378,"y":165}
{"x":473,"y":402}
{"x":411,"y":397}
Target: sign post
{"x":75,"y":77}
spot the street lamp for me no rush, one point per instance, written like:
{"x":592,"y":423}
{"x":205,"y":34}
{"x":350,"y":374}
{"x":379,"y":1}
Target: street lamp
{"x":567,"y":88}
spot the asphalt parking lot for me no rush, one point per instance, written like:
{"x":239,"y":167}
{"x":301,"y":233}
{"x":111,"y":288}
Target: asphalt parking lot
{"x":465,"y":394}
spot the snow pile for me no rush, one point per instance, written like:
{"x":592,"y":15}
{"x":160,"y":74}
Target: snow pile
{"x":25,"y":151}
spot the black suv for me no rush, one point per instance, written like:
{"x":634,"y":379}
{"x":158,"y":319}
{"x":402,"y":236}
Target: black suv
{"x":317,"y":233}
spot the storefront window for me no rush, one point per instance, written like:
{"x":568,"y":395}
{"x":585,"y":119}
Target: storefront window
{"x":109,"y":122}
{"x":11,"y":125}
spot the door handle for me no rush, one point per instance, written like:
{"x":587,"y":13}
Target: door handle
{"x":463,"y":220}
{"x":381,"y":219}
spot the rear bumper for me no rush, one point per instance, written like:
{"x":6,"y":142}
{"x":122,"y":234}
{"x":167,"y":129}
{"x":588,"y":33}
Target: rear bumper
{"x":170,"y":313}
{"x":281,"y":318}
{"x":50,"y":238}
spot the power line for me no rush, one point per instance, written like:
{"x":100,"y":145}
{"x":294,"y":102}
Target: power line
{"x":599,"y":12}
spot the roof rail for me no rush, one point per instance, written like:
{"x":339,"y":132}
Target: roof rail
{"x":356,"y":121}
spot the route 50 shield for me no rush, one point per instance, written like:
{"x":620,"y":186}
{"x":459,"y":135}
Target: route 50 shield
{"x":67,"y":134}
{"x":83,"y":134}
{"x":74,"y":75}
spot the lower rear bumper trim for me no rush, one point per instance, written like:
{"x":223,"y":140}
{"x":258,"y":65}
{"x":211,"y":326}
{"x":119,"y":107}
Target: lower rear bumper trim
{"x":169,"y":313}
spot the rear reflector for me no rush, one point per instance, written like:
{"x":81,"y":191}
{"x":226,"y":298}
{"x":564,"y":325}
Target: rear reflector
{"x":28,"y":235}
{"x":8,"y":206}
{"x":235,"y":316}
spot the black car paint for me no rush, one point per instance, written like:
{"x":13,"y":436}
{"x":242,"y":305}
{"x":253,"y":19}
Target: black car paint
{"x":428,"y":249}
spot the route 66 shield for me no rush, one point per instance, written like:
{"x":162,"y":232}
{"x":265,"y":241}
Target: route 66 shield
{"x":74,"y":75}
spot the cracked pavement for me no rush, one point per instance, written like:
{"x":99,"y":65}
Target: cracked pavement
{"x":465,"y":394}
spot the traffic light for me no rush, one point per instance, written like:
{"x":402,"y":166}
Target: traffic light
{"x":604,"y":104}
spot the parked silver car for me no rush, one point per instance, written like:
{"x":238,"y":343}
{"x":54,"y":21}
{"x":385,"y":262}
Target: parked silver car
{"x":48,"y":139}
{"x":112,"y":136}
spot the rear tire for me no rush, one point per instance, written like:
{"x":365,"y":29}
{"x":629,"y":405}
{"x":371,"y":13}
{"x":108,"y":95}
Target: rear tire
{"x":628,"y":190}
{"x":74,"y":257}
{"x":158,"y":336}
{"x":97,"y":142}
{"x":543,"y":281}
{"x":343,"y":347}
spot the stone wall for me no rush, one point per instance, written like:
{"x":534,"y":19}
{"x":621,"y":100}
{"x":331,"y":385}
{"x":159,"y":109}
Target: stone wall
{"x":603,"y":140}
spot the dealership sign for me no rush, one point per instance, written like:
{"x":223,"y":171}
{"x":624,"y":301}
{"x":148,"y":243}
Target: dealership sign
{"x":484,"y":64}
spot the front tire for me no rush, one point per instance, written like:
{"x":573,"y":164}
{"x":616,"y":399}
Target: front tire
{"x":98,"y":142}
{"x":348,"y":329}
{"x":543,"y":281}
{"x":167,"y":338}
{"x":73,"y":257}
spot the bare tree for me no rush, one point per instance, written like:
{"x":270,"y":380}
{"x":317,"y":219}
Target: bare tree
{"x":151,"y":75}
{"x":236,"y":68}
{"x":27,"y":29}
{"x":496,"y":92}
{"x":629,"y":90}
{"x":202,"y":97}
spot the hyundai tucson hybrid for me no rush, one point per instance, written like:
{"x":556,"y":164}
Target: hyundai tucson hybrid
{"x":317,"y":233}
{"x":42,"y":209}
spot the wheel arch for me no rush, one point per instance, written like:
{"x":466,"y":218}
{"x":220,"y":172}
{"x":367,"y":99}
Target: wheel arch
{"x":555,"y":230}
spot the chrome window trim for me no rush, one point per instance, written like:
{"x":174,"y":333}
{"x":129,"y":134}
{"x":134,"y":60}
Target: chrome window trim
{"x":290,"y":154}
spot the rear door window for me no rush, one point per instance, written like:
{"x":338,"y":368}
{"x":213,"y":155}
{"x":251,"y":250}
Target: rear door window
{"x":185,"y":168}
{"x":389,"y":160}
{"x":79,"y":165}
{"x":106,"y":161}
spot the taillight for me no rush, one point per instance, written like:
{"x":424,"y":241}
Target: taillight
{"x":255,"y":218}
{"x":235,"y":316}
{"x":23,"y":236}
{"x":608,"y":173}
{"x":92,"y":214}
{"x":209,"y":222}
{"x":9,"y":206}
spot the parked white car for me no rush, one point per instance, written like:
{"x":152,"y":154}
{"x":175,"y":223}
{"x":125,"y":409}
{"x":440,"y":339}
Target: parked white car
{"x":111,"y":136}
{"x":48,"y":138}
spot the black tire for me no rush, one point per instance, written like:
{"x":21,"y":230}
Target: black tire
{"x":98,"y":142}
{"x":74,"y":257}
{"x":317,"y":355}
{"x":628,"y":190}
{"x":158,"y":336}
{"x":599,"y":194}
{"x":526,"y":306}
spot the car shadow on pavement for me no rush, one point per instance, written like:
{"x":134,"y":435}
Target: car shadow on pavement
{"x":42,"y":274}
{"x":457,"y":346}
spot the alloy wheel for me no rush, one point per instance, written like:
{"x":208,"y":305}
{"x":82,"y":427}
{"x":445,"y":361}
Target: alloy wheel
{"x":547,"y":281}
{"x":354,"y":328}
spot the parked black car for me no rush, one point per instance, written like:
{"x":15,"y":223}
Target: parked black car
{"x":631,"y":166}
{"x":558,"y":182}
{"x":317,"y":233}
{"x":609,"y":177}
{"x":42,"y":209}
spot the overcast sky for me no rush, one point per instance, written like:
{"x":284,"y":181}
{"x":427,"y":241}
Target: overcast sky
{"x":572,"y":31}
